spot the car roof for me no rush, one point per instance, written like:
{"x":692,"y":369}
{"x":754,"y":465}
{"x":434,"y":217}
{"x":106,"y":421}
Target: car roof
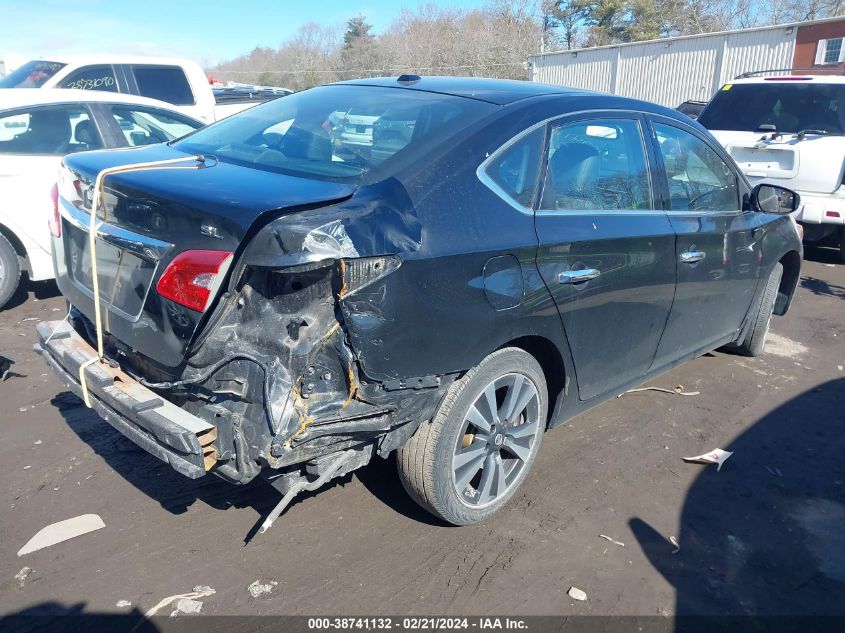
{"x":819,"y":79}
{"x":496,"y":91}
{"x":114,"y":59}
{"x":22,"y":97}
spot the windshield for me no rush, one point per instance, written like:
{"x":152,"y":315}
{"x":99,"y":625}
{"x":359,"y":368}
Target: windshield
{"x":791,"y":106}
{"x":31,"y":75}
{"x":307,"y":134}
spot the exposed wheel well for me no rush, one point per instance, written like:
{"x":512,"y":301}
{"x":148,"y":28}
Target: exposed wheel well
{"x":13,"y":240}
{"x":791,"y":263}
{"x":547,"y":354}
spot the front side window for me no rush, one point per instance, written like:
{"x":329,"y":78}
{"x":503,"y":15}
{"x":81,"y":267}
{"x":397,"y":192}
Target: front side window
{"x":165,"y":83}
{"x":32,"y":74}
{"x":52,"y":130}
{"x":699,"y":180}
{"x":146,"y":126}
{"x":598,"y":164}
{"x":91,"y":78}
{"x":514,"y":171}
{"x":311,"y":133}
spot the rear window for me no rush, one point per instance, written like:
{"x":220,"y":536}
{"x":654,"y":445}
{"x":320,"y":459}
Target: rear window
{"x":791,"y":106}
{"x":165,"y":83}
{"x":31,"y":75}
{"x":305,"y":134}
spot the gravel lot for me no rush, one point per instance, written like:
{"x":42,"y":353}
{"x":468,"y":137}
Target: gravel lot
{"x":763,"y":535}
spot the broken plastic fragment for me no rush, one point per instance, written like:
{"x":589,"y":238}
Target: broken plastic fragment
{"x":607,"y":538}
{"x":199,"y":592}
{"x":257,"y":588}
{"x":716,"y":456}
{"x":187,"y":606}
{"x":22,"y":575}
{"x":577,"y":594}
{"x":674,"y":542}
{"x":122,"y":604}
{"x":62,"y":531}
{"x":330,"y":240}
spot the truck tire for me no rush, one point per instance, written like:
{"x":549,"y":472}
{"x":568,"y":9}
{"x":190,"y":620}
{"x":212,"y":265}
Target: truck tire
{"x":10,"y":271}
{"x":470,"y":459}
{"x":755,"y":339}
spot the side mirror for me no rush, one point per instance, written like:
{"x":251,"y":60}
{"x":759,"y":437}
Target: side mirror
{"x":774,"y":199}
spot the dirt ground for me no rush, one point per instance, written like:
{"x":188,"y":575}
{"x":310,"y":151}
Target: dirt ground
{"x":763,"y":535}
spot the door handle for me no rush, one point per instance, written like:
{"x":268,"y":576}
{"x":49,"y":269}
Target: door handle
{"x":578,"y":276}
{"x":692,"y":257}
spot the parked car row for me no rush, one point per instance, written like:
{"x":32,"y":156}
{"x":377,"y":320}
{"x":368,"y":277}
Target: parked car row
{"x":180,"y":82}
{"x":38,"y":128}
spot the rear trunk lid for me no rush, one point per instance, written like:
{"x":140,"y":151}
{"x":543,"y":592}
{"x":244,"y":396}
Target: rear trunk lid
{"x":812,"y":163}
{"x":149,"y":217}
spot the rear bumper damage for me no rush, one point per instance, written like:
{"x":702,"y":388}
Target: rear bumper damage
{"x":184,"y":441}
{"x":273,"y":382}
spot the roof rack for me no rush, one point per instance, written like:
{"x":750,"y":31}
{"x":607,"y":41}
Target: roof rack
{"x":756,"y":73}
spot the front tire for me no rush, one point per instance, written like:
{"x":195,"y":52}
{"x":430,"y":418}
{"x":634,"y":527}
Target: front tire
{"x":10,"y":271}
{"x":755,"y":339}
{"x":469,"y":460}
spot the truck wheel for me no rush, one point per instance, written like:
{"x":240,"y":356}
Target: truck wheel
{"x":10,"y":271}
{"x":752,"y":344}
{"x":472,"y":456}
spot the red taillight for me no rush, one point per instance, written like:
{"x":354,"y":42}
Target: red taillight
{"x":832,"y":214}
{"x":55,"y":222}
{"x":193,"y":277}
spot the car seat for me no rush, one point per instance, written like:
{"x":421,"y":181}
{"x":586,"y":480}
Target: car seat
{"x":48,"y":133}
{"x":86,"y":135}
{"x":572,"y":177}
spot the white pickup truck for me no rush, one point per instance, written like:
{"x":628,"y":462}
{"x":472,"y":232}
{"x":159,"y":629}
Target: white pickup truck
{"x":179,"y":82}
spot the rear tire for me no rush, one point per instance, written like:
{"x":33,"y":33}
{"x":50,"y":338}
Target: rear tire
{"x":10,"y":271}
{"x":842,"y":244}
{"x":470,"y":459}
{"x":755,"y":339}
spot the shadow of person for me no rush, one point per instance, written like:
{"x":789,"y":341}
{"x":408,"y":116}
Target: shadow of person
{"x":765,"y":535}
{"x":54,"y":616}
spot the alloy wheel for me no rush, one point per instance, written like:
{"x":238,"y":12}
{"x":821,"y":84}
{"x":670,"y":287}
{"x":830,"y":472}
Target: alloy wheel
{"x":497,"y":440}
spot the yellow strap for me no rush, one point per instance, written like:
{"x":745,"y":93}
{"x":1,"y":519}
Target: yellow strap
{"x":92,"y":244}
{"x":82,"y":381}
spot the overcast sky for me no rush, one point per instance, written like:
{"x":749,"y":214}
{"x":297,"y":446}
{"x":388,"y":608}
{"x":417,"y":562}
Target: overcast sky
{"x":209,"y":31}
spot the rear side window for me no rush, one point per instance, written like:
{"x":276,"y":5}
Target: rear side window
{"x":165,"y":83}
{"x":91,"y":78}
{"x":598,"y":164}
{"x":146,"y":126}
{"x":699,"y":180}
{"x":515,"y":170}
{"x":52,"y":130}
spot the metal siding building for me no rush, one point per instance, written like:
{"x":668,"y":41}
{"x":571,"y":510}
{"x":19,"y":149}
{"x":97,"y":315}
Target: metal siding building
{"x":672,"y":70}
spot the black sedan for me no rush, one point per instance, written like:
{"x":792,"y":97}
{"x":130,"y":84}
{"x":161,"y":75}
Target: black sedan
{"x":274,"y":303}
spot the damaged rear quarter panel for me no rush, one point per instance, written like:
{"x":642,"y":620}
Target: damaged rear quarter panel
{"x":337,"y":351}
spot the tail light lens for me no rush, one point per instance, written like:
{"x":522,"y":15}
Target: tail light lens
{"x":55,"y":221}
{"x":193,"y":277}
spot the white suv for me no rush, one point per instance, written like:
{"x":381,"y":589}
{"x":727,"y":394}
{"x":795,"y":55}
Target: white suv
{"x":789,"y":130}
